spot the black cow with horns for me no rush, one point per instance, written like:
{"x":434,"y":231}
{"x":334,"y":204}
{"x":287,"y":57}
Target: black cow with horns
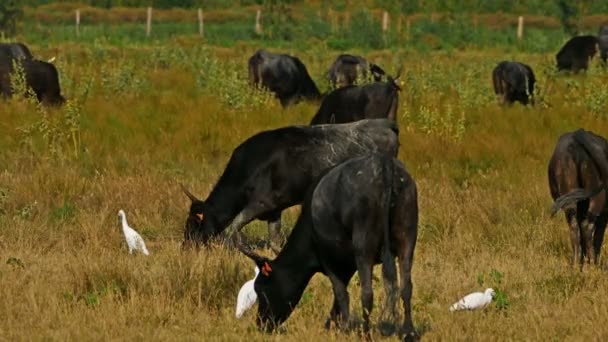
{"x":578,"y":174}
{"x":361,"y":213}
{"x":272,"y":171}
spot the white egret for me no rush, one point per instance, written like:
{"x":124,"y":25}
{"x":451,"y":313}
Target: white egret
{"x":134,"y":240}
{"x":475,"y":300}
{"x":247,"y":296}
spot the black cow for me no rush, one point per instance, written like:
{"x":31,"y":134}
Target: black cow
{"x":578,"y":172}
{"x":353,"y":103}
{"x":576,"y":53}
{"x":9,"y":51}
{"x":272,"y":170}
{"x":284,"y":75}
{"x":603,"y":42}
{"x":41,"y":77}
{"x":513,"y":81}
{"x":361,"y":213}
{"x":347,"y":69}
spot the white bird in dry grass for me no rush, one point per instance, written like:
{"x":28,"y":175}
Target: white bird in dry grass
{"x":134,"y":240}
{"x":247,"y":296}
{"x":475,"y":300}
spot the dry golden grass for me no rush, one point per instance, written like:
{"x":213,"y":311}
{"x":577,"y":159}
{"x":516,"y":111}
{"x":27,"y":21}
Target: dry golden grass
{"x":65,"y":273}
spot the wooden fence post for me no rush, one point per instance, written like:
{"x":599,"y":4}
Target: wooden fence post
{"x":520,"y":28}
{"x":201,"y":24}
{"x":149,"y":22}
{"x":77,"y":22}
{"x":385,"y":21}
{"x":258,"y":25}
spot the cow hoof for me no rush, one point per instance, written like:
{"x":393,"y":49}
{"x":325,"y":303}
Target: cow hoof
{"x":411,"y":337}
{"x":387,"y":328}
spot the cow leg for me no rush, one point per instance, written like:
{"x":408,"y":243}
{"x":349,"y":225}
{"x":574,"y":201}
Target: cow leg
{"x":365,"y":267}
{"x":406,"y":259}
{"x":274,"y":229}
{"x":387,"y":326}
{"x":340,"y":310}
{"x":234,"y":230}
{"x":587,"y":230}
{"x":598,"y":236}
{"x":596,"y":206}
{"x":575,"y":235}
{"x":333,"y":313}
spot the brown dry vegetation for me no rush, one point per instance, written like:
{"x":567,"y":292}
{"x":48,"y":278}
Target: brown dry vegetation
{"x":154,"y":116}
{"x":64,"y":13}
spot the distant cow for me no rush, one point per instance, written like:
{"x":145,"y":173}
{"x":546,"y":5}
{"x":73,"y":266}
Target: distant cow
{"x":346,"y":69}
{"x":9,"y":51}
{"x":513,"y":81}
{"x":272,"y":170}
{"x":284,"y":75}
{"x":577,"y":180}
{"x":576,"y":53}
{"x":41,"y":77}
{"x":603,"y":42}
{"x":361,"y":213}
{"x":352,"y":103}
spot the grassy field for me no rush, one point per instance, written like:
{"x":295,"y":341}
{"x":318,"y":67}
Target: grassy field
{"x":145,"y":117}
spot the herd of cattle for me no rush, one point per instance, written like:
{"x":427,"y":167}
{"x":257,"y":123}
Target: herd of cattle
{"x":359,"y":203}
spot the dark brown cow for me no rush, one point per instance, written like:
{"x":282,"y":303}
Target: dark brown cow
{"x":576,"y":53}
{"x":578,"y":171}
{"x":284,"y":75}
{"x":513,"y":81}
{"x":361,"y":213}
{"x":347,"y":69}
{"x":41,"y":77}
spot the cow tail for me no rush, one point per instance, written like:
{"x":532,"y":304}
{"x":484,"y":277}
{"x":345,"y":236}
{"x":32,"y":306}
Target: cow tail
{"x":599,"y":159}
{"x":254,"y":67}
{"x":389,"y":268}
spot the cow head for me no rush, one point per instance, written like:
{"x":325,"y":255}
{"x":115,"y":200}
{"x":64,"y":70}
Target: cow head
{"x":199,"y":227}
{"x":273,"y":305}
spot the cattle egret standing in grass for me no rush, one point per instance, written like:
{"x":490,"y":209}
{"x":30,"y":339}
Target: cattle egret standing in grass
{"x":134,"y":240}
{"x":247,"y":296}
{"x":475,"y":300}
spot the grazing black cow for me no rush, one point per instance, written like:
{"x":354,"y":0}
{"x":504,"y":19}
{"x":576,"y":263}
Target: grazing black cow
{"x":578,"y":172}
{"x":347,"y":69}
{"x":602,"y":37}
{"x":272,"y":170}
{"x":513,"y":81}
{"x":41,"y":77}
{"x":576,"y":53}
{"x":361,"y":213}
{"x":284,"y":75}
{"x":353,"y":103}
{"x":9,"y":51}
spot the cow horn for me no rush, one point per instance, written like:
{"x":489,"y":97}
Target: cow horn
{"x":189,"y":194}
{"x":52,"y":59}
{"x":399,"y":73}
{"x":258,"y":259}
